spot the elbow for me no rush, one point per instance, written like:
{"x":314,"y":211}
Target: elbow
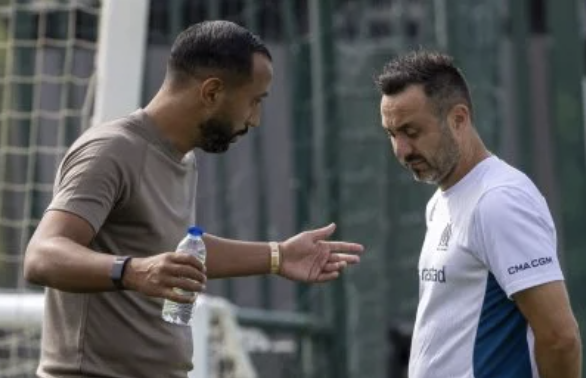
{"x":33,"y":267}
{"x":570,"y":344}
{"x":566,"y":341}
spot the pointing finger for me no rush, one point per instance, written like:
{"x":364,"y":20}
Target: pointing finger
{"x":344,"y":246}
{"x":343,"y":257}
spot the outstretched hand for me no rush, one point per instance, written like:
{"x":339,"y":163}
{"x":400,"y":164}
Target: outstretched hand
{"x":309,"y":257}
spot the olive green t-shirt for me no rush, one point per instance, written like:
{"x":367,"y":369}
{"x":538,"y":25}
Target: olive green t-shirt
{"x":138,"y":194}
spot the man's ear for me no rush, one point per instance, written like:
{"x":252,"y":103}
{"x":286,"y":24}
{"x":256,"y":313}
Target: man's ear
{"x":211,"y":91}
{"x":459,"y":116}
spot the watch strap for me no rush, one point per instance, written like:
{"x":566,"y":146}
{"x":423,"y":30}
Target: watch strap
{"x":117,"y":271}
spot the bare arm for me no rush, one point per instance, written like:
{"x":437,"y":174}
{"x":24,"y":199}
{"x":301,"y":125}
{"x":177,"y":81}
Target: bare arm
{"x":306,"y":257}
{"x":234,"y":258}
{"x":558,"y":350}
{"x":57,"y":256}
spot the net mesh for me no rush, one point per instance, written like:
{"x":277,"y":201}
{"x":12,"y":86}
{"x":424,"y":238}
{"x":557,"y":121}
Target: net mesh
{"x":19,"y":351}
{"x":226,"y":354}
{"x":47,"y":51}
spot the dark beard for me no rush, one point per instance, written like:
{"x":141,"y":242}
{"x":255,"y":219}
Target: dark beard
{"x":216,"y":135}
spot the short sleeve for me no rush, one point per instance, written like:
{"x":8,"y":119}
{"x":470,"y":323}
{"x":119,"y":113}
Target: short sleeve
{"x":90,"y":181}
{"x":515,"y":237}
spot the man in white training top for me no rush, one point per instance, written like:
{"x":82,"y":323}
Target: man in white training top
{"x":492,"y":300}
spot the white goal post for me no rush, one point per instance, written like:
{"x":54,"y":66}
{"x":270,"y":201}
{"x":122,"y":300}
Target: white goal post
{"x":122,"y":42}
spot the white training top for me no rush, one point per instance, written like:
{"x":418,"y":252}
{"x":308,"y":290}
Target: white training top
{"x":489,"y":236}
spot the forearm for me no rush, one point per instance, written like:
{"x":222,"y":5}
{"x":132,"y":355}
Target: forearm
{"x":559,"y":361}
{"x":234,"y":258}
{"x":62,"y":264}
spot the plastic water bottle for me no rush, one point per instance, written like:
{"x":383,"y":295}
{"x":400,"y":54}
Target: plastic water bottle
{"x":181,"y":313}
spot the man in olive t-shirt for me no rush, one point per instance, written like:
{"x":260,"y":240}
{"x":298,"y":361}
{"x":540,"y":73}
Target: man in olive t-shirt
{"x":111,"y":178}
{"x":124,"y":197}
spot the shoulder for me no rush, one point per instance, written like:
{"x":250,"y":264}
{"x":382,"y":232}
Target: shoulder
{"x":115,"y":140}
{"x":505,"y":186}
{"x":499,"y":174}
{"x":505,"y":198}
{"x":509,"y":209}
{"x":510,"y":200}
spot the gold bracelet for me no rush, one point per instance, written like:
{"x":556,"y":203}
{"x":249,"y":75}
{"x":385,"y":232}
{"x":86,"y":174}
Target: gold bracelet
{"x":275,"y":257}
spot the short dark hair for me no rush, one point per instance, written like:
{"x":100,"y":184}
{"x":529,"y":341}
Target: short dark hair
{"x":215,"y":45}
{"x":442,"y":81}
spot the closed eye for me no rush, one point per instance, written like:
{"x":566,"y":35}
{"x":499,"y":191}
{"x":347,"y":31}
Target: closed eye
{"x":409,"y":130}
{"x":411,"y":133}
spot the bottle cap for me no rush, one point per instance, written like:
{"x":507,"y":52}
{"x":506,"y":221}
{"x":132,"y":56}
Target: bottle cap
{"x":195,"y":231}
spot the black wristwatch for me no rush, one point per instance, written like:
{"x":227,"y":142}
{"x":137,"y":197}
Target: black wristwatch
{"x":117,"y":271}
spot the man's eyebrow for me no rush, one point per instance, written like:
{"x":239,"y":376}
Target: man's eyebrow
{"x":398,"y":129}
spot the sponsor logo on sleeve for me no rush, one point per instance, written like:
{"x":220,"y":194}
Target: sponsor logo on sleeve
{"x":535,"y":263}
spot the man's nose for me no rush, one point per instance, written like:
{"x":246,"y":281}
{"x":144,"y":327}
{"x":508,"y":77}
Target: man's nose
{"x":254,"y":119}
{"x":402,"y":148}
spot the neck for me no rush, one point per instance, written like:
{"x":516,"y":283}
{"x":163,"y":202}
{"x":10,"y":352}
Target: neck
{"x":170,"y":116}
{"x":472,"y":154}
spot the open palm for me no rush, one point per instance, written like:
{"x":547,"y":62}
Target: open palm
{"x":309,"y":257}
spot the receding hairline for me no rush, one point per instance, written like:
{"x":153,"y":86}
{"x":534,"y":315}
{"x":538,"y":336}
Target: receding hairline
{"x":439,"y":102}
{"x":407,"y":102}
